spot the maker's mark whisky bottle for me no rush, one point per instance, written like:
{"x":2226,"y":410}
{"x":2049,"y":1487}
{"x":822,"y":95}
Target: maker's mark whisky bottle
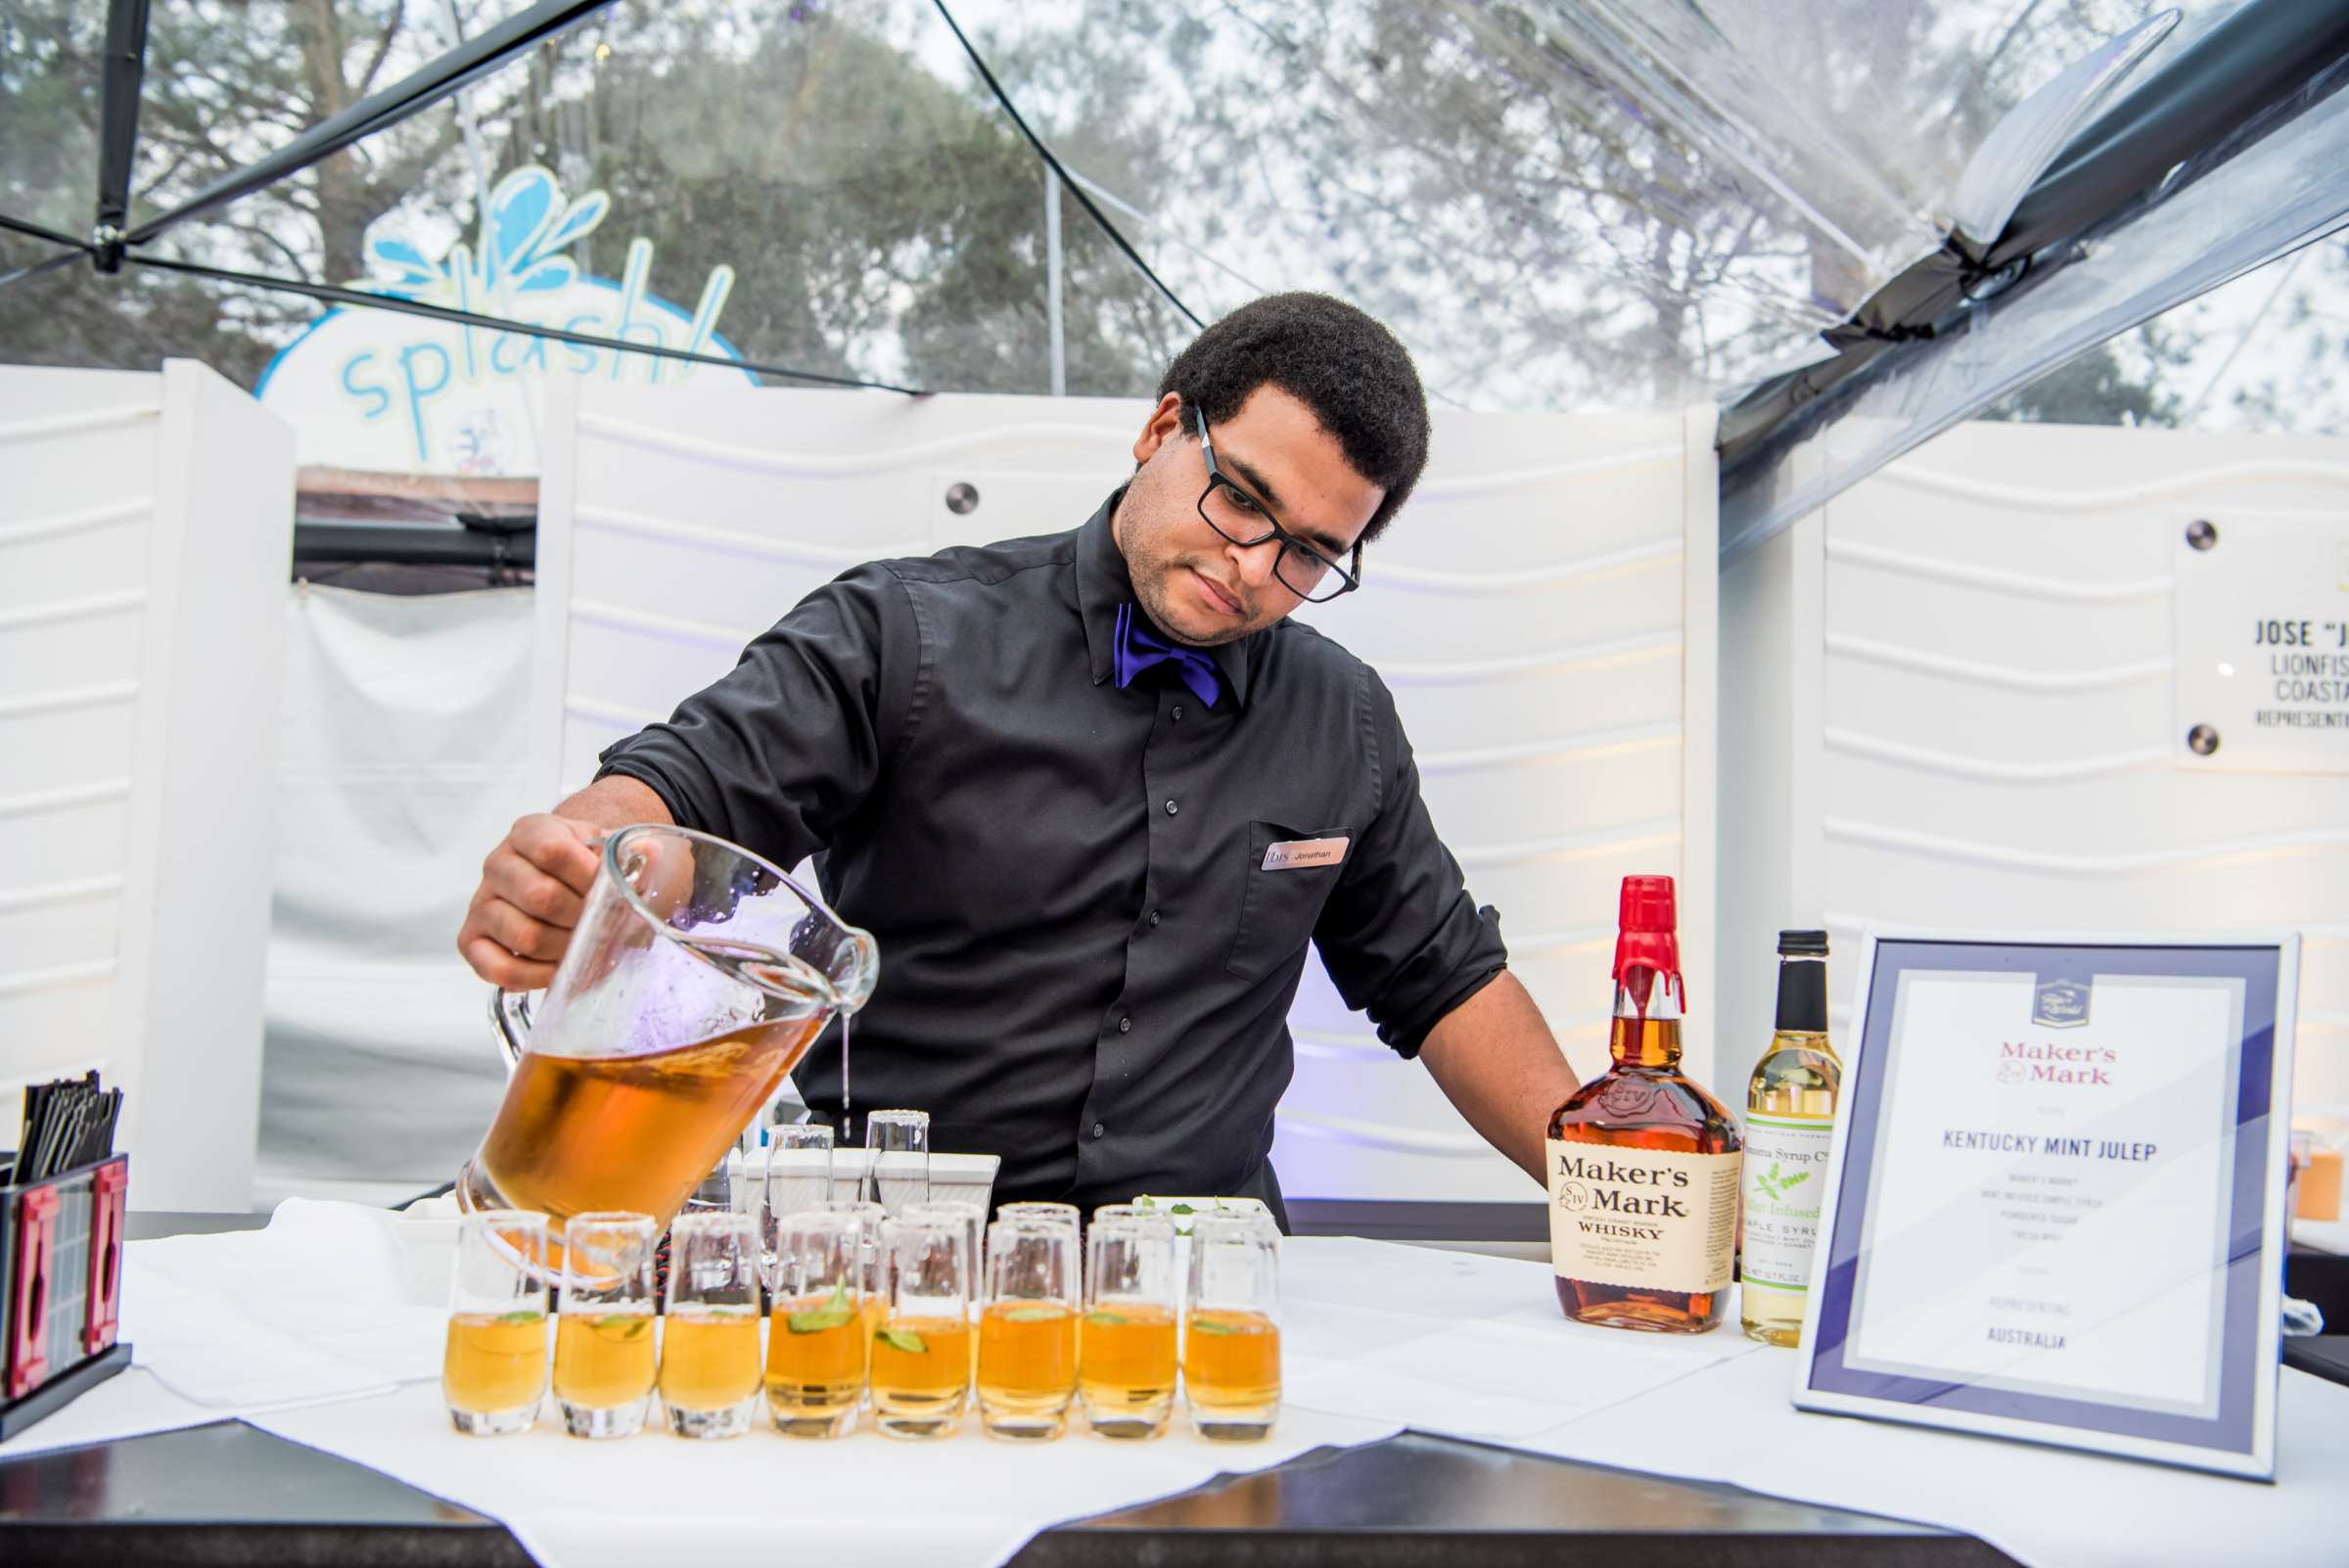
{"x":1643,"y":1162}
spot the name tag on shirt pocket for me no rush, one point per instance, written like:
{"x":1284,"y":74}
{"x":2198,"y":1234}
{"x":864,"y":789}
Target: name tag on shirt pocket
{"x":1290,"y":875}
{"x":1294,"y":853}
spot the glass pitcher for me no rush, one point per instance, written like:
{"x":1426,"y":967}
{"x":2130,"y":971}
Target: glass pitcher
{"x":697,"y":978}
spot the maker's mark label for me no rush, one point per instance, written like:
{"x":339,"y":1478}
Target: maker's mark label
{"x":1645,"y":1218}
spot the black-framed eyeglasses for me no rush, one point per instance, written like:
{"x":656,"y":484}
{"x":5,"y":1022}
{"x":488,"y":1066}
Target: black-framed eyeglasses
{"x":1232,"y":511}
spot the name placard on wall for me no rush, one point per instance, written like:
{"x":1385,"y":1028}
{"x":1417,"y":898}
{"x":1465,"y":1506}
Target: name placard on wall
{"x":2056,"y":1201}
{"x":2261,"y":622}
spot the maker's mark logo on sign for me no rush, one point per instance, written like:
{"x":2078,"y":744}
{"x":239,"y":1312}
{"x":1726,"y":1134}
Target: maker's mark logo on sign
{"x":2059,"y":1004}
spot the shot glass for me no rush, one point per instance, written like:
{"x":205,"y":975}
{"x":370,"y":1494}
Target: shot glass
{"x":493,"y":1371}
{"x":974,"y":1222}
{"x":872,"y":1262}
{"x":1232,"y":1327}
{"x":710,"y":1335}
{"x":897,"y":1145}
{"x":1028,"y":1330}
{"x":1066,"y":1214}
{"x":605,"y":1350}
{"x":797,"y":1177}
{"x":921,"y":1365}
{"x":817,"y":1341}
{"x":1126,"y":1371}
{"x":715,"y":1193}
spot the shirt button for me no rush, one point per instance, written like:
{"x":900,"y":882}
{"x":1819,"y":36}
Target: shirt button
{"x":1154,"y":917}
{"x":1125,"y":1026}
{"x":1098,"y":1130}
{"x":1178,"y":713}
{"x":1170,"y":808}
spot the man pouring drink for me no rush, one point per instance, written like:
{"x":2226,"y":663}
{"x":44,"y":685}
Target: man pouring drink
{"x":1094,"y":792}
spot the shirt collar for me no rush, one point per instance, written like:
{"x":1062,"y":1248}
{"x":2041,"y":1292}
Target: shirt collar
{"x":1103,"y":585}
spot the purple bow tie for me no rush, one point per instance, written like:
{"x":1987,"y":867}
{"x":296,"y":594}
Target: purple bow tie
{"x":1137,"y":650}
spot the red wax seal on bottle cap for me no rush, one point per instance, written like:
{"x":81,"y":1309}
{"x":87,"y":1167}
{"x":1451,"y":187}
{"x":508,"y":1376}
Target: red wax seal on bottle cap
{"x":1648,"y":926}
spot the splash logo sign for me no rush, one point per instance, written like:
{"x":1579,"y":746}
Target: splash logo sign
{"x":380,"y":390}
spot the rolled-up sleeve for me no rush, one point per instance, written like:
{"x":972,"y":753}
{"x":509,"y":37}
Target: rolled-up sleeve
{"x":1399,"y":935}
{"x":787,"y":746}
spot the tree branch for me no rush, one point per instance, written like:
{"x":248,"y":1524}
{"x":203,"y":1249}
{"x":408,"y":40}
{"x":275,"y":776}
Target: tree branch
{"x":382,"y":47}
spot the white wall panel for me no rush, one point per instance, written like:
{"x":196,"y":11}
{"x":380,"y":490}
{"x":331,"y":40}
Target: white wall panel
{"x":1993,"y":742}
{"x":144,"y":533}
{"x":1535,"y":611}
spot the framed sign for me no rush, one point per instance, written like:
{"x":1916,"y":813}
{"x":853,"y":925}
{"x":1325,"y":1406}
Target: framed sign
{"x":2054,"y":1204}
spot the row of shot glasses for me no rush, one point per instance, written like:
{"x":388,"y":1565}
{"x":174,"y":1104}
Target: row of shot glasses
{"x":912,"y":1316}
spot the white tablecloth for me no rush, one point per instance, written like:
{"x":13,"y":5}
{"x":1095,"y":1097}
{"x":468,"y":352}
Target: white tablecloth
{"x":2052,"y":1508}
{"x":863,"y":1500}
{"x":325,"y":1328}
{"x":327,"y":1303}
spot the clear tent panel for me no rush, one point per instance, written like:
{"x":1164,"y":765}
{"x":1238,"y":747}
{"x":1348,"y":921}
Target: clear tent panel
{"x":50,"y":86}
{"x":2267,"y":354}
{"x":2287,"y":190}
{"x":1557,"y":203}
{"x":840,"y":196}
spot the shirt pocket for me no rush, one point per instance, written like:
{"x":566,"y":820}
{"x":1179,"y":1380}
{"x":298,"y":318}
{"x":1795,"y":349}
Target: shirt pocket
{"x":1279,"y":908}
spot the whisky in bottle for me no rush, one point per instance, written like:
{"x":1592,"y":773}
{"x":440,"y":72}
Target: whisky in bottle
{"x":1643,"y":1162}
{"x":1789,"y":1122}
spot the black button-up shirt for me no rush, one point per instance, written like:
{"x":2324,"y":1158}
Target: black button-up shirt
{"x":1086,"y":963}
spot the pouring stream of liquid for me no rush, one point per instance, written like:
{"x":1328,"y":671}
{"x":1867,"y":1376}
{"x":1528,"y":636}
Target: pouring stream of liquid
{"x":780,"y":974}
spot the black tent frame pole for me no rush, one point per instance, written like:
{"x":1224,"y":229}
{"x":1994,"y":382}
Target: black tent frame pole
{"x":1068,"y":181}
{"x":419,"y":90}
{"x":118,"y":133}
{"x":39,"y":231}
{"x":358,"y":300}
{"x":51,"y":264}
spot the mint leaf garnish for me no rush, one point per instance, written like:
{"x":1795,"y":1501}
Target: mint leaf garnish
{"x":902,"y":1339}
{"x":526,"y":1314}
{"x":1106,"y":1319}
{"x":831,"y":1314}
{"x":1035,"y":1314}
{"x":632,"y":1325}
{"x":1183,"y":1208}
{"x":1208,"y":1325}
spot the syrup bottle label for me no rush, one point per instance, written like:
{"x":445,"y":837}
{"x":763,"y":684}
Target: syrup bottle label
{"x":1784,"y":1187}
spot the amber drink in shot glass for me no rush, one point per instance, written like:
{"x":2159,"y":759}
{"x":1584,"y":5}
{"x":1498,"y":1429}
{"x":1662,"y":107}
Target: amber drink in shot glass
{"x":816,"y":1339}
{"x":921,"y":1363}
{"x":974,"y":1222}
{"x":493,"y":1371}
{"x":710,"y":1332}
{"x":1126,"y":1371}
{"x":1232,"y":1327}
{"x":1028,"y":1330}
{"x":606,"y":1349}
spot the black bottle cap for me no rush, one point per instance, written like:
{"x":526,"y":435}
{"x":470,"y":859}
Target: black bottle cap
{"x":1802,"y":945}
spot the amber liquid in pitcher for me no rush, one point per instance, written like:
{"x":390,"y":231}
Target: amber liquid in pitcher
{"x":582,"y":1134}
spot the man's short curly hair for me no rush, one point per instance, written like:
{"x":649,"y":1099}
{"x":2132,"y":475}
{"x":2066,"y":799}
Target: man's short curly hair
{"x":1336,"y":360}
